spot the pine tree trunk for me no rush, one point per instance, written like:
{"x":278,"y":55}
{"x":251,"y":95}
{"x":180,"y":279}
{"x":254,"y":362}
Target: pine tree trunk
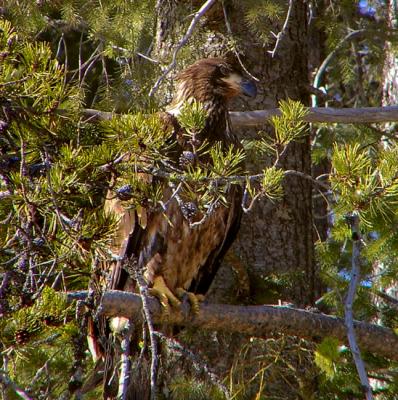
{"x":390,"y":90}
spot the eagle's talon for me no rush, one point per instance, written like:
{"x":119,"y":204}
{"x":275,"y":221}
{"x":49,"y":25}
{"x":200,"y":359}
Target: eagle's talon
{"x":194,"y":299}
{"x":164,"y":295}
{"x":164,"y":302}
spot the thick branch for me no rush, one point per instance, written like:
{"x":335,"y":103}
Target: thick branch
{"x":318,"y":114}
{"x":260,"y":321}
{"x":327,"y":114}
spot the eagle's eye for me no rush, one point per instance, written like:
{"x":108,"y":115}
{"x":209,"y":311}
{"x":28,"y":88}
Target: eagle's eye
{"x":224,"y":71}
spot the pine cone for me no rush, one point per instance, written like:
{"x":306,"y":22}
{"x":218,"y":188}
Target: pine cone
{"x":124,"y":192}
{"x":189,"y":210}
{"x":187,"y":158}
{"x":22,"y":336}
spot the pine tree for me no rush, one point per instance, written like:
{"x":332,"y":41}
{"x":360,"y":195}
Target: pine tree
{"x":57,"y":59}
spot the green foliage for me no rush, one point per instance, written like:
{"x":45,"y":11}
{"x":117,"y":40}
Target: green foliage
{"x":26,"y":324}
{"x":272,"y":183}
{"x":185,"y":388}
{"x":139,"y":134}
{"x":289,"y":125}
{"x":192,"y":117}
{"x":226,"y":163}
{"x":98,"y":43}
{"x":326,"y":356}
{"x":366,"y":184}
{"x":53,"y":224}
{"x":258,"y":16}
{"x":39,"y":342}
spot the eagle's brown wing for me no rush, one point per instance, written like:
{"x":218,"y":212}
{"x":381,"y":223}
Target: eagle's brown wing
{"x":206,"y":274}
{"x":165,"y":245}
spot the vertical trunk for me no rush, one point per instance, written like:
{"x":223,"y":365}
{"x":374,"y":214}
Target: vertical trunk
{"x":390,"y":89}
{"x":390,"y":85}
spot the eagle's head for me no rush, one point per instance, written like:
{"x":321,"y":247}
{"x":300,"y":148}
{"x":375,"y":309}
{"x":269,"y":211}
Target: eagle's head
{"x":213,"y":80}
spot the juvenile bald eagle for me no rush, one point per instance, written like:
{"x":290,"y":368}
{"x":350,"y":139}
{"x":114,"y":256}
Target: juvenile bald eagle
{"x":175,"y":256}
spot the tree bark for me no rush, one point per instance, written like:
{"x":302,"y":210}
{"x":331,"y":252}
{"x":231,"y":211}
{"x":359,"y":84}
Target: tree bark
{"x":278,"y":239}
{"x":259,"y":321}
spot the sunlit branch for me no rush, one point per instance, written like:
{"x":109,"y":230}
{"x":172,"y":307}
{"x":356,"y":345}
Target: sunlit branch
{"x":259,"y":321}
{"x":363,"y":115}
{"x":282,"y":33}
{"x":353,"y":220}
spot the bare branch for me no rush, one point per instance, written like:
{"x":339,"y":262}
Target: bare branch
{"x":199,"y":14}
{"x":143,"y":288}
{"x":259,"y":321}
{"x":125,"y":362}
{"x":321,"y":115}
{"x":363,"y":115}
{"x":8,"y":383}
{"x":282,"y":33}
{"x":316,"y":182}
{"x":353,"y":220}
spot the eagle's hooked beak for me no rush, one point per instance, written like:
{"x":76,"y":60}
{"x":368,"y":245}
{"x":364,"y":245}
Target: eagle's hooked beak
{"x":248,"y":88}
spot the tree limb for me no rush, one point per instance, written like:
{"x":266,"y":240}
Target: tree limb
{"x":321,"y":114}
{"x":8,"y":383}
{"x":259,"y":321}
{"x":282,"y":33}
{"x":124,"y":378}
{"x":316,"y":114}
{"x":353,"y":221}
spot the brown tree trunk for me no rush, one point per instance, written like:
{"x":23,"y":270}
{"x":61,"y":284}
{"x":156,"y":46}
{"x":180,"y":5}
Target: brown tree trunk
{"x":390,"y":87}
{"x":390,"y":96}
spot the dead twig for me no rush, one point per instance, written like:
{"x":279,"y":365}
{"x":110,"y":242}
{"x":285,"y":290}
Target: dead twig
{"x":282,"y":33}
{"x":124,"y":377}
{"x":197,"y":16}
{"x":353,"y":221}
{"x":143,"y":289}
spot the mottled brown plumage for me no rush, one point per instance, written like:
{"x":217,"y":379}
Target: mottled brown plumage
{"x":163,"y":242}
{"x":185,"y":257}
